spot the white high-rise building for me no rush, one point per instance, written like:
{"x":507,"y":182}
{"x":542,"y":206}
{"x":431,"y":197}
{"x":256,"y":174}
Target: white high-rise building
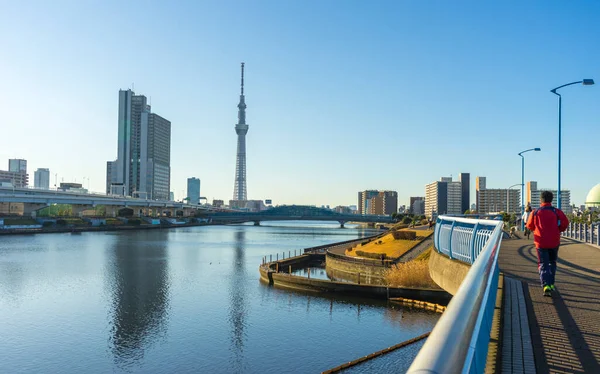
{"x":41,"y":179}
{"x":443,"y":197}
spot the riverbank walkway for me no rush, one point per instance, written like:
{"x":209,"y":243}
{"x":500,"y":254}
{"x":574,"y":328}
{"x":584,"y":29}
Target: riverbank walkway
{"x":561,"y":333}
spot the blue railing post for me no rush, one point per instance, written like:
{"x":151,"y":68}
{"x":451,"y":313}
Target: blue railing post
{"x":472,"y":244}
{"x":437,"y":230}
{"x":450,"y":240}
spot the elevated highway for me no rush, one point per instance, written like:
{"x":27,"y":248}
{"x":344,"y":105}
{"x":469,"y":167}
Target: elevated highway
{"x":36,"y":199}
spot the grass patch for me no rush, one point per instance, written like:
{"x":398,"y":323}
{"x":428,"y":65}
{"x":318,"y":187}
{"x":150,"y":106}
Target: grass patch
{"x":410,"y":274}
{"x":388,"y":245}
{"x":113,"y":221}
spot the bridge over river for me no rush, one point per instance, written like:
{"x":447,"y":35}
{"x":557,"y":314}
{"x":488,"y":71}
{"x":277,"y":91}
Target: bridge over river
{"x":294,"y":213}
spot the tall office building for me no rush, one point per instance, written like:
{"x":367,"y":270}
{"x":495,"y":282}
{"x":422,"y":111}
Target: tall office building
{"x":465,"y":185}
{"x":443,"y":197}
{"x":155,"y":161}
{"x":111,"y":175}
{"x":17,"y":165}
{"x":193,"y":191}
{"x":495,"y":200}
{"x":142,"y":167}
{"x":41,"y":179}
{"x":241,"y":129}
{"x":533,"y":197}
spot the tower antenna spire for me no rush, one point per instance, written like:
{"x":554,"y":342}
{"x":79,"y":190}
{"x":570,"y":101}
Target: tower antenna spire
{"x":242,"y":78}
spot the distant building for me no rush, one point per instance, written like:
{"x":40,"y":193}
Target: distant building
{"x":193,"y":190}
{"x":495,"y":200}
{"x":143,"y":164}
{"x":17,"y":165}
{"x":364,"y":198}
{"x":14,"y":179}
{"x":249,"y":205}
{"x":218,"y":203}
{"x":342,"y":209}
{"x":412,"y":202}
{"x":592,"y":200}
{"x":533,"y":197}
{"x":377,"y":202}
{"x":443,"y":197}
{"x":172,"y":196}
{"x":41,"y":179}
{"x":72,"y":187}
{"x":418,"y":207}
{"x":465,"y":185}
{"x":16,"y":175}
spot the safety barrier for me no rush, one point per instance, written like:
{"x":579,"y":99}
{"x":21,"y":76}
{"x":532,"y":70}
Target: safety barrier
{"x":587,"y":233}
{"x":459,"y":341}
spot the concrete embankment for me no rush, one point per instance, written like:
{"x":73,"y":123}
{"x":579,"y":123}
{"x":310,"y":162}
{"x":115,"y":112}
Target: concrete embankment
{"x":278,"y":273}
{"x":447,"y":273}
{"x":78,"y":229}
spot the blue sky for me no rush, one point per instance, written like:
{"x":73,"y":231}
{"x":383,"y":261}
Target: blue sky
{"x":342,"y":95}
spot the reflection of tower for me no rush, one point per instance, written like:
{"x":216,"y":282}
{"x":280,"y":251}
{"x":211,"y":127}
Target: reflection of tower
{"x":241,"y":129}
{"x":237,"y":308}
{"x":139,"y":284}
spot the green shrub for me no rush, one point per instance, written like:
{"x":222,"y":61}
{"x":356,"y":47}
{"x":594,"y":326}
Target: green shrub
{"x":47,"y":224}
{"x":406,"y":220}
{"x":371,"y":255}
{"x":404,"y":235}
{"x":61,"y":222}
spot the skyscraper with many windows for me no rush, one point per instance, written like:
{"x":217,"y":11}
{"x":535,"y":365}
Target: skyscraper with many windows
{"x":193,"y":190}
{"x":41,"y":179}
{"x":143,"y":164}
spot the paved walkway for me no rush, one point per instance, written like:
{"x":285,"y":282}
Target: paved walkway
{"x":565,"y":329}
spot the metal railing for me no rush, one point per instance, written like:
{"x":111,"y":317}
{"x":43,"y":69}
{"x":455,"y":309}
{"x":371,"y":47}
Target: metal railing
{"x":459,"y":341}
{"x":462,"y":238}
{"x":585,"y":232}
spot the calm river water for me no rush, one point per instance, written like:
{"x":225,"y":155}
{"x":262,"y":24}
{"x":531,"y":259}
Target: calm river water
{"x":185,"y":300}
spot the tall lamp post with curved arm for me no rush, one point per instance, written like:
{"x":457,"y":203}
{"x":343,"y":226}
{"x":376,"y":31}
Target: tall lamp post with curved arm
{"x":523,"y":182}
{"x":585,"y":82}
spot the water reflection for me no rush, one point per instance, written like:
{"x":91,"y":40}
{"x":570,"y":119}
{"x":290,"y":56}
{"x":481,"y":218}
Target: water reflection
{"x":137,"y":269}
{"x":237,"y":301}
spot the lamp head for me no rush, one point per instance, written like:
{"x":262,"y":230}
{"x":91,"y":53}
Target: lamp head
{"x":588,"y":82}
{"x":537,"y":149}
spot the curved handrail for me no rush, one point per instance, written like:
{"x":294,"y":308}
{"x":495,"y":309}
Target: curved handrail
{"x":459,"y":341}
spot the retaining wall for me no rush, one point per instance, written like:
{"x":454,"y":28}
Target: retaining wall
{"x":282,"y":278}
{"x":447,"y":273}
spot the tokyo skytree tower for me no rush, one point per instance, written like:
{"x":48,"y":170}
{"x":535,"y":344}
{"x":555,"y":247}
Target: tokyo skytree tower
{"x":241,"y":129}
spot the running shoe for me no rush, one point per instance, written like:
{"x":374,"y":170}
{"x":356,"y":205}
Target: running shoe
{"x":552,"y":288}
{"x":547,"y":291}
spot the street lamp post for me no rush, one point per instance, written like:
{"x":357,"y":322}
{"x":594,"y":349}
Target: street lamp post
{"x":508,"y":196}
{"x":585,"y":82}
{"x":523,"y":182}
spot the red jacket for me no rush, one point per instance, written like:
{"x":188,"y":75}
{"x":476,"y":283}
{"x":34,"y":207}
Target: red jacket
{"x":544,"y":223}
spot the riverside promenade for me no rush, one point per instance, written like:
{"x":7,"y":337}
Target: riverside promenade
{"x":562,"y":333}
